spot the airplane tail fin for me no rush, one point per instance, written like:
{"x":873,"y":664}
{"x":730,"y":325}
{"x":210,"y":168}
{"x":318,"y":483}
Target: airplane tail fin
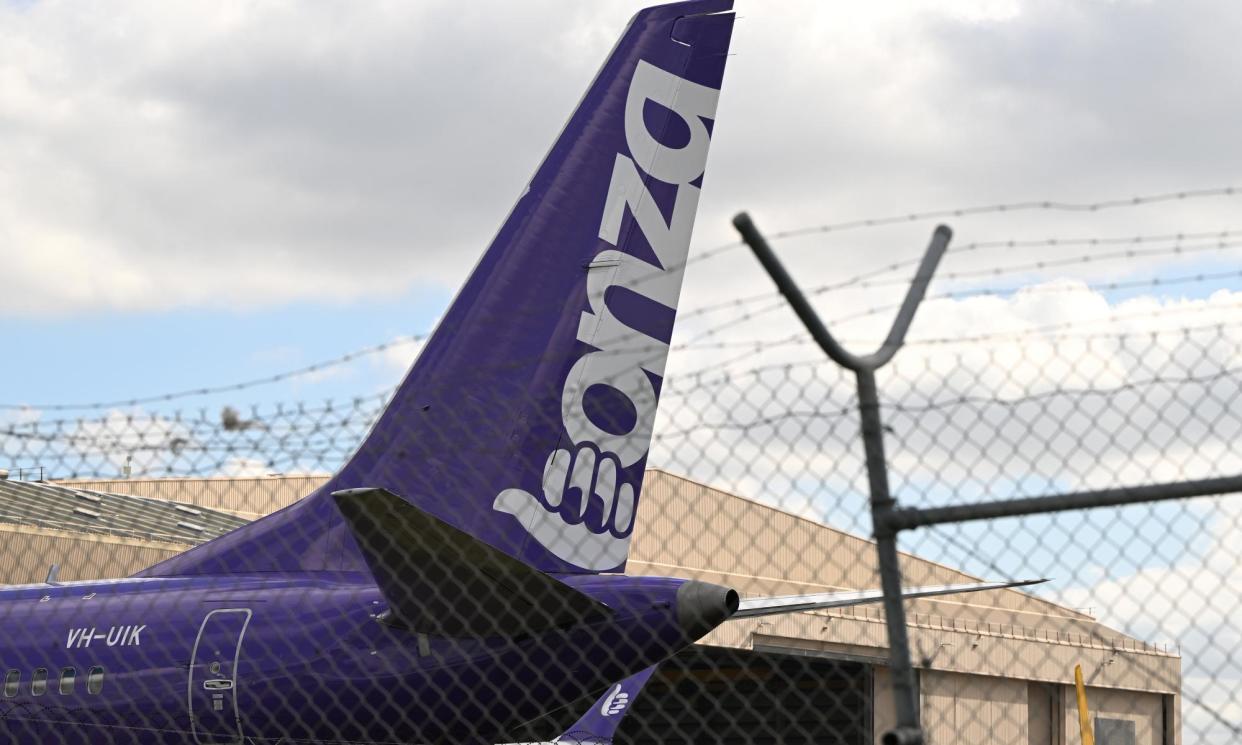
{"x":526,"y":420}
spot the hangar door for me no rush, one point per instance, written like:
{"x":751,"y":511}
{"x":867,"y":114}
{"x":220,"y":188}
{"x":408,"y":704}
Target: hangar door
{"x":716,"y":695}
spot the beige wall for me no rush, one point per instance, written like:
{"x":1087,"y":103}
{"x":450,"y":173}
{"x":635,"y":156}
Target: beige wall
{"x":250,"y":498}
{"x":960,"y":708}
{"x":682,"y":524}
{"x":30,"y":551}
{"x":970,"y":708}
{"x":690,"y":530}
{"x":1045,"y":712}
{"x":884,"y":714}
{"x":1144,"y":709}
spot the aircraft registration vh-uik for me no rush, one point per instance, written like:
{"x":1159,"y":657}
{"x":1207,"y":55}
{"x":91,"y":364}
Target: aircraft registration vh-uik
{"x":463,"y":572}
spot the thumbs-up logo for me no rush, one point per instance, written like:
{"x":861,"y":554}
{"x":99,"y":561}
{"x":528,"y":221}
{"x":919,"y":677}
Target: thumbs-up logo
{"x":615,"y":702}
{"x":587,"y":507}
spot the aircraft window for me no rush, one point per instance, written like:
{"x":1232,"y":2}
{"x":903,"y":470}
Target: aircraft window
{"x":11,"y":682}
{"x":94,"y":680}
{"x":68,"y":677}
{"x":38,"y":685}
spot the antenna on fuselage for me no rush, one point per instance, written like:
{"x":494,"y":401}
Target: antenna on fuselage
{"x":52,"y":571}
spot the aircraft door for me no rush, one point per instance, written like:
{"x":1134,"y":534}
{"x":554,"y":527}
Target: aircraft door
{"x":213,"y":677}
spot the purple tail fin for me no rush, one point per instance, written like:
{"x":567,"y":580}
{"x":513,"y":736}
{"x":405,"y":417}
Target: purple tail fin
{"x":527,"y":417}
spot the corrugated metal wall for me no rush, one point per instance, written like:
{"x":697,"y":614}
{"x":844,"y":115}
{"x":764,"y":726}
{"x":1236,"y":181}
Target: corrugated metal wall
{"x":1144,"y":709}
{"x":690,"y":525}
{"x":1044,"y":713}
{"x":884,"y":715}
{"x":971,"y":708}
{"x":687,"y":529}
{"x":250,"y":498}
{"x":28,"y":552}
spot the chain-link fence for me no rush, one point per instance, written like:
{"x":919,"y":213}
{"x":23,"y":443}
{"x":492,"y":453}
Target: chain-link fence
{"x":756,"y":481}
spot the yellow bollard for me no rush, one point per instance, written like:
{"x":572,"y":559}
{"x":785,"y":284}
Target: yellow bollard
{"x":1084,"y":720}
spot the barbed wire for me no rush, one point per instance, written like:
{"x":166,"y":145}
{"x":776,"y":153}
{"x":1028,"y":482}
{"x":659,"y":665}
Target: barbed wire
{"x":371,"y":405}
{"x":226,"y":387}
{"x":868,"y":279}
{"x":1059,"y":288}
{"x":856,"y":281}
{"x":1044,"y":264}
{"x":1074,"y":286}
{"x":1049,"y":332}
{"x":753,"y":347}
{"x":994,"y":208}
{"x":1080,"y":392}
{"x":705,"y":378}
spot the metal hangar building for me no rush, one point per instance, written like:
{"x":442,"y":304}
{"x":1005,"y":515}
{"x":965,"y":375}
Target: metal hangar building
{"x":995,"y":667}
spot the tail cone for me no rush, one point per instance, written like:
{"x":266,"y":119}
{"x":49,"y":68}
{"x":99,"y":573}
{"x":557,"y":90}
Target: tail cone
{"x":702,"y":607}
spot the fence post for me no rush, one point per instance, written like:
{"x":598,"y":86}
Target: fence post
{"x":883,"y":505}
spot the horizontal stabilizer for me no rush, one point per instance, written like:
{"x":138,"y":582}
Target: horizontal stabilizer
{"x":442,"y":581}
{"x":752,"y":607}
{"x":598,"y":726}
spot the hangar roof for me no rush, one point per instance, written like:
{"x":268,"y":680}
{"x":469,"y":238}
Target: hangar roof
{"x":67,"y":508}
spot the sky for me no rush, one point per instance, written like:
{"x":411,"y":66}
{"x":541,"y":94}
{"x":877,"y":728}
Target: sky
{"x":235,"y":168}
{"x":197,"y":195}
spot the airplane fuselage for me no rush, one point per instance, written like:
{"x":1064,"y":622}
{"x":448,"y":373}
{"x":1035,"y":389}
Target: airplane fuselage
{"x":218,"y":659}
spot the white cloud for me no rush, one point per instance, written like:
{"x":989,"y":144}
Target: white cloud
{"x":250,"y":155}
{"x":400,"y":354}
{"x":24,"y":415}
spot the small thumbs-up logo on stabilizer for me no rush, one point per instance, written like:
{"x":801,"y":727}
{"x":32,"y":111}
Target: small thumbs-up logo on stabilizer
{"x":615,"y":702}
